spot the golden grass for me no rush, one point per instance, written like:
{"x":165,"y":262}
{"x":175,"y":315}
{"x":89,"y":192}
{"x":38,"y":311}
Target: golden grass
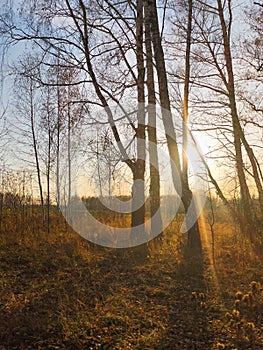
{"x":59,"y":291}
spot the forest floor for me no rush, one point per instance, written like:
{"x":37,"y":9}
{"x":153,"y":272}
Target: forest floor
{"x":58,"y":291}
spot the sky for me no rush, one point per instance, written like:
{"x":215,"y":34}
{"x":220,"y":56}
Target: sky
{"x":7,"y":99}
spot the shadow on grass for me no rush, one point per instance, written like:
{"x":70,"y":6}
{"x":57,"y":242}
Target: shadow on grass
{"x":189,"y":320}
{"x":56,"y":298}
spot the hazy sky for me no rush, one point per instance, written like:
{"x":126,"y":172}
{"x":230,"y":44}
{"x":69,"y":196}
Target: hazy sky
{"x":8,"y":98}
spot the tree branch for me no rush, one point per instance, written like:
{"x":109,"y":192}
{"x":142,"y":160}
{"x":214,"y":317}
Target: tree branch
{"x":257,"y":3}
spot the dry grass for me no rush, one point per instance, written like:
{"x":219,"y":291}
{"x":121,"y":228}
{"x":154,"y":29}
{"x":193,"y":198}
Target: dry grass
{"x":58,"y":291}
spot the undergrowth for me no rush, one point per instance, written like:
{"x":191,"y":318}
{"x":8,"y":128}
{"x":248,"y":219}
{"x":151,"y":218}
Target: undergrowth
{"x":59,"y":291}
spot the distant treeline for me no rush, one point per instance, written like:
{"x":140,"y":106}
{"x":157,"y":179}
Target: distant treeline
{"x":11,"y":200}
{"x":15,"y":201}
{"x":94,"y":203}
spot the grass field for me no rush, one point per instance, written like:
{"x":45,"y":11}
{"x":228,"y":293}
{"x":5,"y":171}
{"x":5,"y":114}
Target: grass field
{"x":59,"y":291}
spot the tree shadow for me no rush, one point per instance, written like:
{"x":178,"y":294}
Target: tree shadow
{"x":189,"y":319}
{"x":61,"y":299}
